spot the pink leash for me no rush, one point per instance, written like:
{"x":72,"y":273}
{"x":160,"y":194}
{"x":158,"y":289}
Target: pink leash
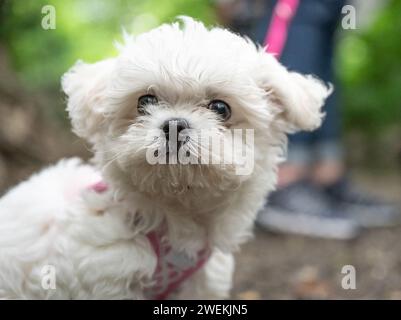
{"x":276,"y":36}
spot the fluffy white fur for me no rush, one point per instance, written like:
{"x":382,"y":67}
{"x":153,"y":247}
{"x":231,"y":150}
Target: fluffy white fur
{"x":97,"y":242}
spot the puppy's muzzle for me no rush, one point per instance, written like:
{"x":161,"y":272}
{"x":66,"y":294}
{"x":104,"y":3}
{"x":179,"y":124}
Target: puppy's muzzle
{"x":174,"y":125}
{"x":172,"y":129}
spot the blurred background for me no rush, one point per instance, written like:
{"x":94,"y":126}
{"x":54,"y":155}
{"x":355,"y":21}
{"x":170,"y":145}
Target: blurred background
{"x":34,"y":129}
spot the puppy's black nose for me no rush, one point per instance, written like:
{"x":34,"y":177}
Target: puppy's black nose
{"x":178,"y":124}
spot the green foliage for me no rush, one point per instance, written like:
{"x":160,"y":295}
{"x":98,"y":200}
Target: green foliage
{"x":85,"y":29}
{"x":369,"y":66}
{"x":369,"y":61}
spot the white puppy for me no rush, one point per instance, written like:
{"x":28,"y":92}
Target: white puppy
{"x":126,"y":228}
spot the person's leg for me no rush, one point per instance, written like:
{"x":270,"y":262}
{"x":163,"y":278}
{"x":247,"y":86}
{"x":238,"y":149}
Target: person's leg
{"x":309,"y":50}
{"x":318,"y":202}
{"x":329,"y":172}
{"x":298,"y":206}
{"x":295,"y":56}
{"x":328,"y":153}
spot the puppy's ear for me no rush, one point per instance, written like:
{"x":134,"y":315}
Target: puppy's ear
{"x":86,"y":87}
{"x":298,"y":98}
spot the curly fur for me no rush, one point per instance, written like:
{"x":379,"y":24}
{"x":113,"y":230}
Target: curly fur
{"x":97,"y":241}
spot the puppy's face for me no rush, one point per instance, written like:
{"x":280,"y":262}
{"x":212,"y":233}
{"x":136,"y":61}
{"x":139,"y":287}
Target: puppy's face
{"x":157,"y":111}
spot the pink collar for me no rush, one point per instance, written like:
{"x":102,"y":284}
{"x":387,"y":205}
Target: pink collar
{"x":173,"y":266}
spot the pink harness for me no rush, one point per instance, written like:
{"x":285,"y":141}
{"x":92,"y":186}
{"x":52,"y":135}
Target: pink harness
{"x":276,"y":35}
{"x":173,"y":267}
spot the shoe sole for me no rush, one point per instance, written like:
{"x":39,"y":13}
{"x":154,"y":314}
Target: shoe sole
{"x":302,"y":224}
{"x":371,"y":220}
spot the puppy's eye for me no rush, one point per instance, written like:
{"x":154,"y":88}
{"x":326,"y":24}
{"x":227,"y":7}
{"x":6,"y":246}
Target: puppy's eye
{"x":145,"y":100}
{"x":221,"y":108}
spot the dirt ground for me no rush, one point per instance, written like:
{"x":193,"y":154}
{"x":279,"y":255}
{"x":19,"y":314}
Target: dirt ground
{"x":276,"y":266}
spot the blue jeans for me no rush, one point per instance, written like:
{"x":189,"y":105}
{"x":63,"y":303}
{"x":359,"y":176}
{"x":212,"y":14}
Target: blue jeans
{"x":309,"y":49}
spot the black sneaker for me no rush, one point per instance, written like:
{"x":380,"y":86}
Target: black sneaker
{"x":302,"y":208}
{"x":364,"y":209}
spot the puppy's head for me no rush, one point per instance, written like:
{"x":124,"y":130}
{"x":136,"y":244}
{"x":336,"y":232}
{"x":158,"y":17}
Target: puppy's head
{"x":190,"y":87}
